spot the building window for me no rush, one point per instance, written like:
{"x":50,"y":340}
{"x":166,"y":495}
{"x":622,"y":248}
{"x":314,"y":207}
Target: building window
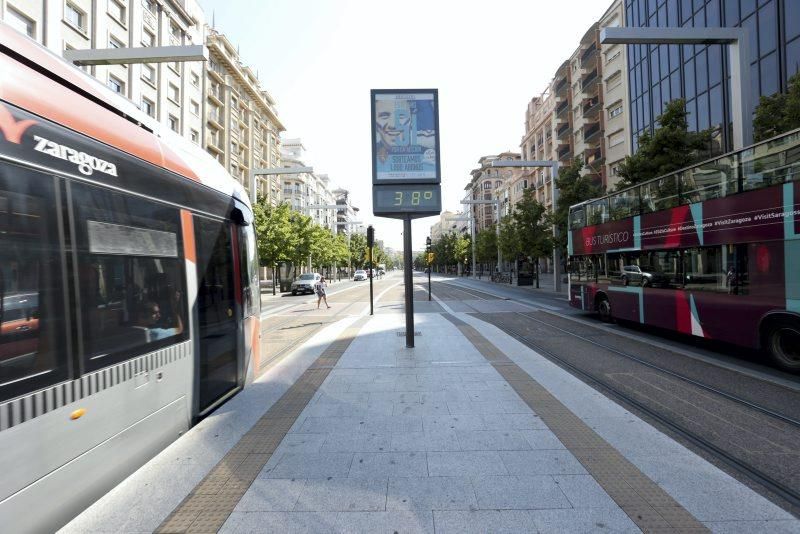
{"x":148,"y":107}
{"x":151,"y":6}
{"x":117,"y":11}
{"x":75,"y":16}
{"x":175,"y":66}
{"x":20,"y":22}
{"x":615,"y":110}
{"x":148,"y":38}
{"x":149,"y":73}
{"x":613,"y":56}
{"x":174,"y":93}
{"x":195,"y":108}
{"x":614,"y":81}
{"x":174,"y":125}
{"x":116,"y":85}
{"x":195,"y":79}
{"x":113,"y":42}
{"x":195,"y":137}
{"x":617,"y":138}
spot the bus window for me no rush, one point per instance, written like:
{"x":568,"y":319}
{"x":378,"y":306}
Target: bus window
{"x":625,"y":204}
{"x":33,"y":343}
{"x":130,"y":275}
{"x":721,"y":268}
{"x":714,"y":179}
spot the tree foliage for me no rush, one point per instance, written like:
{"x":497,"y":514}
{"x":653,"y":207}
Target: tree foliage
{"x":572,"y":189}
{"x":532,"y":227}
{"x":274,"y":231}
{"x":358,"y":250}
{"x":671,"y":147}
{"x":509,"y":239}
{"x":486,"y":245}
{"x":778,"y":113}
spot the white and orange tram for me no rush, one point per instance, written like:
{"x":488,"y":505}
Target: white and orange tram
{"x":129,"y":299}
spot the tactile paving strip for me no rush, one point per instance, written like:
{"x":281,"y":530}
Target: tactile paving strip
{"x":210,"y":503}
{"x":649,"y":506}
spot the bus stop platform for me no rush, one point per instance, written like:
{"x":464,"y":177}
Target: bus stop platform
{"x":470,"y":431}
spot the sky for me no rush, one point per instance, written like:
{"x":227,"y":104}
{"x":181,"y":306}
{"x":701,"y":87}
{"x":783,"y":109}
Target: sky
{"x":319,"y":59}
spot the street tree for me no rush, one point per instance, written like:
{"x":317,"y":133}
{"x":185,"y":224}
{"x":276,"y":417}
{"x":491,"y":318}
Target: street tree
{"x":573,"y":188}
{"x":275,"y":236}
{"x":302,"y":226}
{"x":670,"y":148}
{"x":508,"y":240}
{"x":533,"y":229}
{"x":462,"y":249}
{"x":486,"y":245}
{"x":358,"y":250}
{"x":778,"y":113}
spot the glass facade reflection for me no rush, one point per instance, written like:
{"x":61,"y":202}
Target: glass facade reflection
{"x":698,"y":73}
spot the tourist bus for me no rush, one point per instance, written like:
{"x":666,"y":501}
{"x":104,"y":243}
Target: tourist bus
{"x":712,"y":251}
{"x":129,"y":301}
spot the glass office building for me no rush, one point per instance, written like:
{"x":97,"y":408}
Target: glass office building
{"x":699,"y":73}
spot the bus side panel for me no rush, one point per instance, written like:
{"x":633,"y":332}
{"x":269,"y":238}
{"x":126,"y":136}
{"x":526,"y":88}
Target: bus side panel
{"x":252,"y":345}
{"x":626,"y":303}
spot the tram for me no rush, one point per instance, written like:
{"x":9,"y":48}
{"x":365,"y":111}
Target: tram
{"x":129,"y":298}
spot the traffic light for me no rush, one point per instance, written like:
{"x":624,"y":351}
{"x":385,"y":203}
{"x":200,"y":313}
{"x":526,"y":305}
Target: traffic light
{"x":370,"y":236}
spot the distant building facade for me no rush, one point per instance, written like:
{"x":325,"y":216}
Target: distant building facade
{"x":219,"y":106}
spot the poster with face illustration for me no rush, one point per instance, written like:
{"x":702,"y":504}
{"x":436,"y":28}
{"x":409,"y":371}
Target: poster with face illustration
{"x":405,"y":137}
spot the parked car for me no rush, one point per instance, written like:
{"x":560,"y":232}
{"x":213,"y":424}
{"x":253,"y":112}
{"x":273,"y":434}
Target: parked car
{"x":360,"y":275}
{"x":305,"y":283}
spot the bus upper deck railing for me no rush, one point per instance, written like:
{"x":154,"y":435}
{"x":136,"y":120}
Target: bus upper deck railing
{"x":768,"y":163}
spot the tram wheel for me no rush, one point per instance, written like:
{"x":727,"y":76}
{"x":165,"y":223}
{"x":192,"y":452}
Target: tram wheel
{"x":782,"y":342}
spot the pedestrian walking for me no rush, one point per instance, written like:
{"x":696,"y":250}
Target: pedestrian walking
{"x":320,"y":290}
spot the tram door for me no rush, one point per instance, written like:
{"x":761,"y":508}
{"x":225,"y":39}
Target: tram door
{"x":216,"y":311}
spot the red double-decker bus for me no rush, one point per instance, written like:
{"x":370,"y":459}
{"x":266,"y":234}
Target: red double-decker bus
{"x":710,"y":251}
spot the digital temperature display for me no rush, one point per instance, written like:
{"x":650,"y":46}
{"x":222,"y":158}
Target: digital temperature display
{"x":400,"y":199}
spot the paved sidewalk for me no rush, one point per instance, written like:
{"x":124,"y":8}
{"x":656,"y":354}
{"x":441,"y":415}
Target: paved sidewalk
{"x":439,"y":438}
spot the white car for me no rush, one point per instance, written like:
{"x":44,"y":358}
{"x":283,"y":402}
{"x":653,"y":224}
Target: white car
{"x":305,"y":283}
{"x":360,"y":275}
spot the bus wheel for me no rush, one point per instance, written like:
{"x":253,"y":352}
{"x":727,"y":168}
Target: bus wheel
{"x":782,"y":341}
{"x":604,"y":309}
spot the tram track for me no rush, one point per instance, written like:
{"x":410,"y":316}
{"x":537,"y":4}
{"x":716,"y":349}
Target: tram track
{"x":788,"y":494}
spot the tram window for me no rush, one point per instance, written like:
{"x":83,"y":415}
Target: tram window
{"x":248,"y":256}
{"x":33,"y":350}
{"x":130,"y":275}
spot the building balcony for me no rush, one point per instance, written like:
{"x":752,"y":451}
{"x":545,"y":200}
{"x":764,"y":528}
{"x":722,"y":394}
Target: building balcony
{"x":589,"y":57}
{"x":593,"y":156}
{"x":592,"y":108}
{"x":216,"y":96}
{"x":564,"y":153}
{"x":215,"y":120}
{"x":591,"y":133}
{"x":564,"y":131}
{"x":561,"y":86}
{"x":562,"y":109}
{"x":589,"y":82}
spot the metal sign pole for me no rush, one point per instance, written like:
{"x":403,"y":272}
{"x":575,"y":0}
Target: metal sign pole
{"x":408,"y":276}
{"x":371,"y":276}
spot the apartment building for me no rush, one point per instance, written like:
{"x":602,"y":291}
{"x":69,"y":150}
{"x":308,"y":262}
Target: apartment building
{"x":305,"y":190}
{"x":582,"y":113}
{"x":347,"y":215}
{"x":242,"y":129}
{"x":486,"y":180}
{"x":448,"y":223}
{"x":219,"y":106}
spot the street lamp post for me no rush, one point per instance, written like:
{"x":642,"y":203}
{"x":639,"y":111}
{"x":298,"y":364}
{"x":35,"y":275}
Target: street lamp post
{"x":554,"y":167}
{"x":496,"y":203}
{"x":737,"y":41}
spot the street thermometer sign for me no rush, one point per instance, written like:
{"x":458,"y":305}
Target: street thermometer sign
{"x":406,"y":167}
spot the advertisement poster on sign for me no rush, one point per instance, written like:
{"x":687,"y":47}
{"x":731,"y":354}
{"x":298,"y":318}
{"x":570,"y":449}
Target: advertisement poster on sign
{"x":405,"y":136}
